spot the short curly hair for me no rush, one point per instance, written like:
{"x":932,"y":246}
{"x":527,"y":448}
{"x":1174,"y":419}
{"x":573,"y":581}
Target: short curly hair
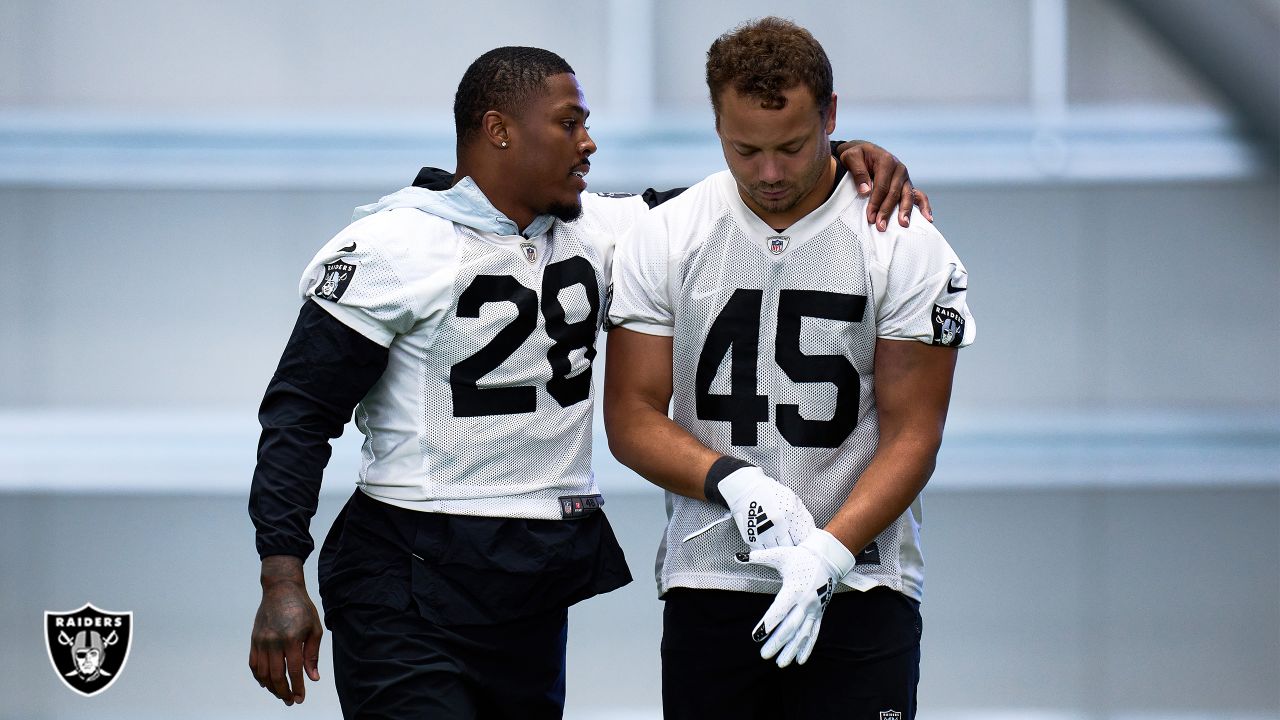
{"x":762,"y":58}
{"x":503,"y":79}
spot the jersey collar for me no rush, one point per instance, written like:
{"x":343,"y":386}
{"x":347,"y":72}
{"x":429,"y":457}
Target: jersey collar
{"x":464,"y":203}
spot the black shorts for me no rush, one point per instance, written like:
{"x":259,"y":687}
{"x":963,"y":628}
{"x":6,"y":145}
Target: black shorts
{"x":865,"y":665}
{"x":445,"y":616}
{"x":392,"y":665}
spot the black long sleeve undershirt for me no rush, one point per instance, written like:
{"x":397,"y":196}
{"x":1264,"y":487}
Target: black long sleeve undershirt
{"x":324,"y":372}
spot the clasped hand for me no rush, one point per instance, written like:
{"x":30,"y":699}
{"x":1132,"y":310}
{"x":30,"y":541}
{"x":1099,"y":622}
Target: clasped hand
{"x":810,"y":571}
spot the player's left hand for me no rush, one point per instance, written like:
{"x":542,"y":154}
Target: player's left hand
{"x":768,"y":513}
{"x":809,"y":573}
{"x":876,"y":171}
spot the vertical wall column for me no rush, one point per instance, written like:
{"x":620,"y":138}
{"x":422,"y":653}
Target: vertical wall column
{"x":1049,"y":149}
{"x":631,"y":62}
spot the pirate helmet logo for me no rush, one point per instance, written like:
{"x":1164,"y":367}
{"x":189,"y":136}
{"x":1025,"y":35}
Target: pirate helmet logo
{"x":334,"y":281}
{"x":948,"y":326}
{"x":331,"y":281}
{"x":88,"y":647}
{"x":949,"y":329}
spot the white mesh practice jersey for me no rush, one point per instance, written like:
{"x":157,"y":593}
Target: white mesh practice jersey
{"x":774,"y":339}
{"x":485,"y":407}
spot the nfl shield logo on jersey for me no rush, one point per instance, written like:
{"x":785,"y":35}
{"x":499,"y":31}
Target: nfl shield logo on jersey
{"x":530,"y":251}
{"x":88,"y":647}
{"x":777,"y":244}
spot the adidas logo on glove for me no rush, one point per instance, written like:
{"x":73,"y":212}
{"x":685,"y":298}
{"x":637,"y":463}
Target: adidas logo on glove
{"x":757,"y":521}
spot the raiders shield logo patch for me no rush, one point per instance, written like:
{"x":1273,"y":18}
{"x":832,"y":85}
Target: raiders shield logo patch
{"x":88,"y":647}
{"x":605,"y":322}
{"x":337,"y":276}
{"x":890,"y":715}
{"x":778,"y":244}
{"x":948,"y":326}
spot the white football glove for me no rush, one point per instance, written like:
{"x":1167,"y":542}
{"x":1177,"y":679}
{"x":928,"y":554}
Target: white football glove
{"x":768,"y":513}
{"x":809,"y":573}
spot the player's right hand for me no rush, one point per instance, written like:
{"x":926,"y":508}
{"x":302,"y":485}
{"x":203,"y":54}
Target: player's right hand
{"x":809,"y":574}
{"x":768,"y":513}
{"x":286,"y":636}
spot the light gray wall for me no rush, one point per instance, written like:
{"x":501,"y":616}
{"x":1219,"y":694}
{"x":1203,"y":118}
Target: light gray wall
{"x":402,"y":55}
{"x":1112,"y":57}
{"x":981,"y":48}
{"x":241,"y":55}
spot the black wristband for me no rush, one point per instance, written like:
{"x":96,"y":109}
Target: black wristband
{"x":721,"y":469}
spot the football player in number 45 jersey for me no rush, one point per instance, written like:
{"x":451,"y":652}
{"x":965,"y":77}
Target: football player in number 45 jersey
{"x":459,"y":323}
{"x":807,"y":356}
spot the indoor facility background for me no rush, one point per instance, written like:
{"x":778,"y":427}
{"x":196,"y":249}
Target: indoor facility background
{"x":1103,"y":530}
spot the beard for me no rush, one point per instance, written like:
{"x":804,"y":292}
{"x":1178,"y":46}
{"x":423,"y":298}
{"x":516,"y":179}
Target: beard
{"x":780,"y":205}
{"x":567,"y":212}
{"x":800,"y":188}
